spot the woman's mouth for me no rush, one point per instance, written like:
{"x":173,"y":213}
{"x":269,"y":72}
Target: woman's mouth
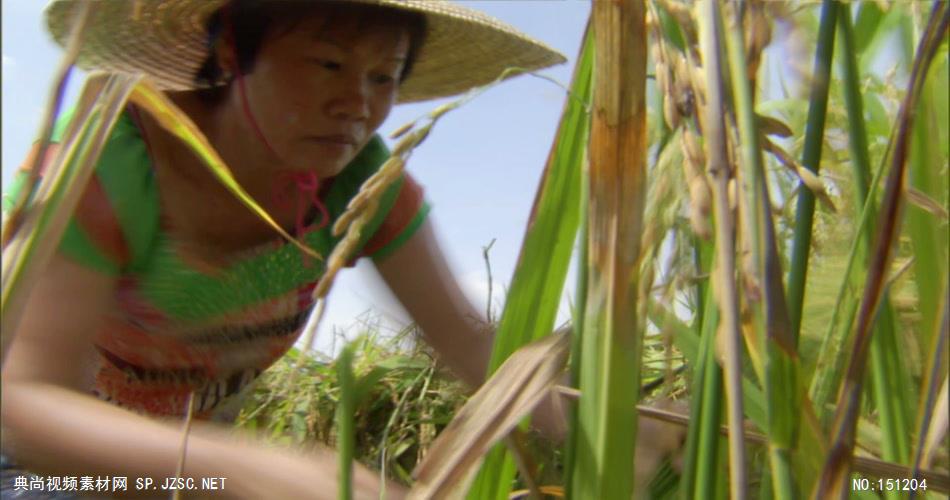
{"x":333,"y":139}
{"x":332,"y":145}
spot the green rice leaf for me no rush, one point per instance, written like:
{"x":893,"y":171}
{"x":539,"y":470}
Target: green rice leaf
{"x":345,"y":427}
{"x":612,"y":343}
{"x":533,"y":299}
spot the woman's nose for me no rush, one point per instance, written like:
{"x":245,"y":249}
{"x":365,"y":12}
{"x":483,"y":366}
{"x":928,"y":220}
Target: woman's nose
{"x":352,"y":102}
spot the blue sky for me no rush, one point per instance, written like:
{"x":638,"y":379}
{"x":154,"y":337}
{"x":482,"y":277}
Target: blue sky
{"x":480,"y":166}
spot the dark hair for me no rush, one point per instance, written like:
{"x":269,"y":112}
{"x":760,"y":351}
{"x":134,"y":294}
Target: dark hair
{"x":249,"y":21}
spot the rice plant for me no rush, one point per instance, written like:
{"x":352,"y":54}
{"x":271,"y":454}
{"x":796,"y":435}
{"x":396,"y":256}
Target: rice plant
{"x":745,"y":325}
{"x":805,"y":342}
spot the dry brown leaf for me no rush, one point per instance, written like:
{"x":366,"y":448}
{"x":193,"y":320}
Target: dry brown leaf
{"x":924,"y":202}
{"x":489,"y":415}
{"x":808,"y":178}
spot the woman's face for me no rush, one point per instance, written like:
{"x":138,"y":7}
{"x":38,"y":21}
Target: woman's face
{"x":320,"y":91}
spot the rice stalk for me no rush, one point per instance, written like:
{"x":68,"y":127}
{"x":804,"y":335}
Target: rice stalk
{"x":811,"y":160}
{"x":426,"y":430}
{"x":830,"y":363}
{"x":183,"y":447}
{"x":937,"y":432}
{"x":391,"y":422}
{"x":889,"y":378}
{"x":353,"y":391}
{"x":834,"y":477}
{"x":345,"y":429}
{"x":767,"y":304}
{"x":725,"y":287}
{"x":701,"y":458}
{"x":14,"y":218}
{"x":58,"y":194}
{"x":689,"y":344}
{"x":488,"y":310}
{"x":931,"y":393}
{"x":697,"y":343}
{"x":864,"y":465}
{"x":614,"y":322}
{"x":578,"y":313}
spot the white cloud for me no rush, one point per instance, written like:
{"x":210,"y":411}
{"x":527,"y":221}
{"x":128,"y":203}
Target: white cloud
{"x":8,"y":62}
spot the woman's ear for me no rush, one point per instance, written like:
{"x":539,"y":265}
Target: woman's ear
{"x":227,"y":57}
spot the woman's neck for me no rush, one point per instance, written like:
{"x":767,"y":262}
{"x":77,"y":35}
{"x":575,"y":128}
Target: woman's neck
{"x":250,"y":160}
{"x":198,"y":205}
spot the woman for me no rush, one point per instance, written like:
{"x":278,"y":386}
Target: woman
{"x":165,"y":286}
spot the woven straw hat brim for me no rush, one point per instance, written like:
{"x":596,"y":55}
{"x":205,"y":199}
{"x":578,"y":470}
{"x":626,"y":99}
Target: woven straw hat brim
{"x":166,"y":39}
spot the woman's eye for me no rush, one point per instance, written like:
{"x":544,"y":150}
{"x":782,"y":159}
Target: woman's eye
{"x":328,"y":64}
{"x":384,"y":79}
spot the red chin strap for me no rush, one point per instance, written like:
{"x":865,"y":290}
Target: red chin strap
{"x":308,"y":183}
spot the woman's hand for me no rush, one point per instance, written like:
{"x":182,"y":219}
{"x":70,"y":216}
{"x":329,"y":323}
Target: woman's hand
{"x":58,"y":431}
{"x":283,"y":473}
{"x":419,"y":276}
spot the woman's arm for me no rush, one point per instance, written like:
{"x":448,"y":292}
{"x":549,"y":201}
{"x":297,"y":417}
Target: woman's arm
{"x":419,"y":276}
{"x":50,"y":425}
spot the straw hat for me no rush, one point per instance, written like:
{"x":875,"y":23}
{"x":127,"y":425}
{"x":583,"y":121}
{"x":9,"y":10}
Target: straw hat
{"x":166,"y":39}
